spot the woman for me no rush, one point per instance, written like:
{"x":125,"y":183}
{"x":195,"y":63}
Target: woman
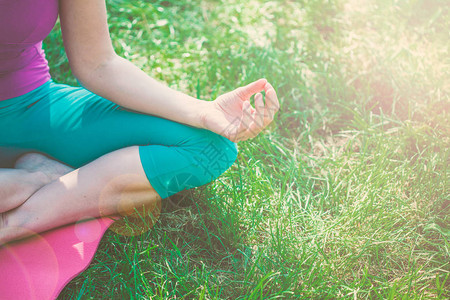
{"x":143,"y":144}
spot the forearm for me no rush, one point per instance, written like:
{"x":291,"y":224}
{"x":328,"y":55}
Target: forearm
{"x":121,"y":82}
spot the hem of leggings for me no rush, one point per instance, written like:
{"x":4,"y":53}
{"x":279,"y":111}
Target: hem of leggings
{"x":157,"y":186}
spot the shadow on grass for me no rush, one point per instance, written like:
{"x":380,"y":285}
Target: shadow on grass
{"x":187,"y":250}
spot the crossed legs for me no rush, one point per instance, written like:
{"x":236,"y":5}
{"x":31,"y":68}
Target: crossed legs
{"x":110,"y":185}
{"x":16,"y":186}
{"x":123,"y":160}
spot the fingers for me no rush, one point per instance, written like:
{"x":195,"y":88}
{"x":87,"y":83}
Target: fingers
{"x":247,"y":91}
{"x":246,"y":121}
{"x":254,"y":120}
{"x":272,"y":104}
{"x":259,"y":115}
{"x":257,"y":124}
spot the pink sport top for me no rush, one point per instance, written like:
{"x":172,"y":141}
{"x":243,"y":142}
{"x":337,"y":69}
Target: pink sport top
{"x":23,"y":26}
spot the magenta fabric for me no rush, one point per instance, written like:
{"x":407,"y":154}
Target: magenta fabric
{"x":23,"y":26}
{"x":39,"y":267}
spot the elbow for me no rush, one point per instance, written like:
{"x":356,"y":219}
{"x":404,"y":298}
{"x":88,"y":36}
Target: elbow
{"x":79,"y":74}
{"x":84,"y":69}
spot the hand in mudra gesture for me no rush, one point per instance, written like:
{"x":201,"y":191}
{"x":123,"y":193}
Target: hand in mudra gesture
{"x":232,"y":116}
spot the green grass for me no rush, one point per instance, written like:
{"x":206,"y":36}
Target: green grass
{"x":346,"y":195}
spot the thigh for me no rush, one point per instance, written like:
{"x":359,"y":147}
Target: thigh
{"x":76,"y":126}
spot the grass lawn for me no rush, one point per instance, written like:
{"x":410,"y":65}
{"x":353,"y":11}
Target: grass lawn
{"x":346,"y":195}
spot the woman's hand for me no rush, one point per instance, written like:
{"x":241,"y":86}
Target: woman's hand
{"x":232,"y":116}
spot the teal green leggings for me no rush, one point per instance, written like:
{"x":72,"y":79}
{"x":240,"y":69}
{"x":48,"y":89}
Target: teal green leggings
{"x":76,"y":126}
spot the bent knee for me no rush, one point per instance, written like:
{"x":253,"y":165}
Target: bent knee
{"x":209,"y":159}
{"x":200,"y":158}
{"x":214,"y":155}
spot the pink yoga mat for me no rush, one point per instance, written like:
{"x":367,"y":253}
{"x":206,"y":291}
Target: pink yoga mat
{"x":39,"y":267}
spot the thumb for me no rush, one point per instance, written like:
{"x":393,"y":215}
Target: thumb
{"x":247,"y":91}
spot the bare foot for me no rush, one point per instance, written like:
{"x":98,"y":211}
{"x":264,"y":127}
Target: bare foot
{"x":9,"y":234}
{"x":2,"y":226}
{"x":17,"y":185}
{"x":3,"y":233}
{"x":35,"y":162}
{"x":32,"y":172}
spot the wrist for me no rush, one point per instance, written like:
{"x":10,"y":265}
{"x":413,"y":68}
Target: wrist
{"x":199,"y":111}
